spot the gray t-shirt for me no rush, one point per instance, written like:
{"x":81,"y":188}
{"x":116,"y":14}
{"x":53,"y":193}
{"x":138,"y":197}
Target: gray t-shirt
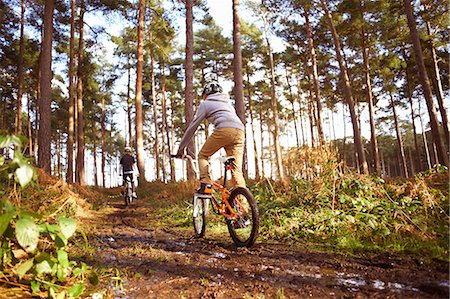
{"x":218,"y":111}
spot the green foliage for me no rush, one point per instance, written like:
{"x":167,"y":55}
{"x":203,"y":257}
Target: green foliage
{"x":19,"y":167}
{"x":34,"y":248}
{"x":359,"y":212}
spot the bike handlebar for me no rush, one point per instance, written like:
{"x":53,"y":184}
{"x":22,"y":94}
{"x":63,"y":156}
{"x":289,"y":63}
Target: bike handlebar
{"x":194,"y":163}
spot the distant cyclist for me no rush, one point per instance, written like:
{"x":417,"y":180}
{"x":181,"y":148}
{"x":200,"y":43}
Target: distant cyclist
{"x":128,"y":168}
{"x":228,"y":134}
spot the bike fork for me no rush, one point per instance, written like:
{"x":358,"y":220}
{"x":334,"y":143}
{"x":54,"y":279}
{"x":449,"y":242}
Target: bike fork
{"x":197,"y":200}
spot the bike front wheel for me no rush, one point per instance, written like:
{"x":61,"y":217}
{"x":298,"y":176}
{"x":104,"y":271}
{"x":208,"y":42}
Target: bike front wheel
{"x":244,"y":227}
{"x":199,"y":216}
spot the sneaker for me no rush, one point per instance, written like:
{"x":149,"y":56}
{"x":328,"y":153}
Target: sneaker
{"x":134,"y":195}
{"x":205,"y":189}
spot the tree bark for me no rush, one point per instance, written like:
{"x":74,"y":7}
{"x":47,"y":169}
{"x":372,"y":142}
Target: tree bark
{"x":250,"y":110}
{"x":165,"y":122}
{"x":155,"y":111}
{"x":436,"y":79}
{"x":419,"y":161}
{"x":441,"y":152}
{"x":369,"y":95}
{"x":315,"y":78}
{"x":399,"y":137}
{"x":274,"y":107}
{"x":359,"y":150}
{"x":189,"y":85}
{"x":139,"y":113}
{"x":71,"y":109}
{"x":292,"y":101}
{"x":130,"y":124}
{"x":80,"y":165}
{"x":238,"y":89}
{"x":44,"y":137}
{"x":18,"y":123}
{"x":103,"y":140}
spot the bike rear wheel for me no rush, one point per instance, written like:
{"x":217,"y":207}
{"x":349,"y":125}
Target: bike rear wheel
{"x":199,"y":216}
{"x":244,"y":229}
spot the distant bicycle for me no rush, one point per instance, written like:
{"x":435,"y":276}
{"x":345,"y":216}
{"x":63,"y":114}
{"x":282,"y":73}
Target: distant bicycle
{"x":238,"y":207}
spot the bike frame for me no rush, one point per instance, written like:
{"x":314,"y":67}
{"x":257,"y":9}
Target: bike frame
{"x":223,"y":207}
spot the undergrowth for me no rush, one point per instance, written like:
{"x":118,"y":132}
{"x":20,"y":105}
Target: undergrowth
{"x":356,"y":212}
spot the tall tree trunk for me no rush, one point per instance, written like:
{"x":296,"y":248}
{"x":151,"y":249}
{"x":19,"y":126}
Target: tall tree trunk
{"x":369,"y":95}
{"x":130,"y":124}
{"x":189,"y":84}
{"x":80,"y":166}
{"x":419,"y":161}
{"x":274,"y":107}
{"x":58,"y":154}
{"x":238,"y":89}
{"x":165,"y":122}
{"x":311,"y":117}
{"x":300,"y":110}
{"x":424,"y":139}
{"x":94,"y":153}
{"x":252,"y":124}
{"x":30,"y":132}
{"x":399,"y":137}
{"x":139,"y":113}
{"x":44,"y":138}
{"x":292,"y":101}
{"x":315,"y":78}
{"x":442,"y":155}
{"x":261,"y":131}
{"x":436,"y":79}
{"x":155,"y":111}
{"x":71,"y":124}
{"x":347,"y":93}
{"x":18,"y":123}
{"x":103,"y":140}
{"x":172,"y":135}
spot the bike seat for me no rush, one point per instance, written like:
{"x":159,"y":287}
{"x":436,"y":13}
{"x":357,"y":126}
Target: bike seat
{"x":227,"y":159}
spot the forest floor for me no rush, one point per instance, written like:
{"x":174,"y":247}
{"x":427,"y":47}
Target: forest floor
{"x":147,"y":259}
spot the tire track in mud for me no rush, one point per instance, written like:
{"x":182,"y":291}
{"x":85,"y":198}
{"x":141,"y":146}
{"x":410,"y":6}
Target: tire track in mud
{"x":172,"y":264}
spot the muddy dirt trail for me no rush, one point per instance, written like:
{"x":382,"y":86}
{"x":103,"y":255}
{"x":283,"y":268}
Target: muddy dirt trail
{"x":163,"y":262}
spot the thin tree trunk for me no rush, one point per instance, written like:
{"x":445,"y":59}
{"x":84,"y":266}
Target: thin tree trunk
{"x":419,"y":161}
{"x":436,"y":79}
{"x":424,"y":139}
{"x":80,"y":167}
{"x":30,"y":132}
{"x":139,"y":113}
{"x":315,"y":78}
{"x":58,"y":154}
{"x":238,"y":89}
{"x":189,"y":87}
{"x":347,"y":93}
{"x":250,"y":110}
{"x":399,"y":137}
{"x":292,"y":101}
{"x":44,"y":137}
{"x":94,"y":153}
{"x":442,"y":155}
{"x":103,"y":140}
{"x":262,"y":139}
{"x":165,"y":122}
{"x":311,"y":117}
{"x":300,"y":111}
{"x":18,"y":123}
{"x":155,"y":111}
{"x":373,"y":138}
{"x":71,"y":109}
{"x":274,"y":106}
{"x":130,"y":123}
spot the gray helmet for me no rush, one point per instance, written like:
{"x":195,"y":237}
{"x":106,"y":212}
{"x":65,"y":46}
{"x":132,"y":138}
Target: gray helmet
{"x":212,"y":88}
